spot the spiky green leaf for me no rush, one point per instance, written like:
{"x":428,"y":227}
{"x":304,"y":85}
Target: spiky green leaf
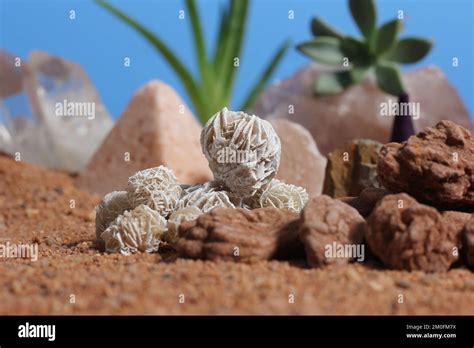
{"x":237,"y":18}
{"x":267,"y":73}
{"x":409,"y":50}
{"x":389,"y":78}
{"x":321,"y":28}
{"x":332,"y":83}
{"x":365,"y":16}
{"x":199,"y":43}
{"x":387,"y":36}
{"x":160,"y":46}
{"x":323,"y":49}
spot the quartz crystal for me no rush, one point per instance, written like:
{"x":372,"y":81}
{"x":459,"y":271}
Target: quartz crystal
{"x":50,"y":113}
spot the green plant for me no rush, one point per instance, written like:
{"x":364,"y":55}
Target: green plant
{"x":378,"y":52}
{"x":213,"y":89}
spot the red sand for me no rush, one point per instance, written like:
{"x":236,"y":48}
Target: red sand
{"x":35,"y":207}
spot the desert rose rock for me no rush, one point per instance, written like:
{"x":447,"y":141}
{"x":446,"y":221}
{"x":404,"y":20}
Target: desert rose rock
{"x":336,"y":120}
{"x":155,"y":129}
{"x":407,"y":235}
{"x":326,"y":222}
{"x":436,"y":166}
{"x":241,"y":235}
{"x":366,"y":201}
{"x":352,"y":168}
{"x":301,"y":162}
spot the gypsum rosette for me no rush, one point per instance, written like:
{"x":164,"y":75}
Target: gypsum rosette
{"x":140,"y":229}
{"x":156,"y":187}
{"x":205,"y":197}
{"x":279,"y":195}
{"x":243,"y":151}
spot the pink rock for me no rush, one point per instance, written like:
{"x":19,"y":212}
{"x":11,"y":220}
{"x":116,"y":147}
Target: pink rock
{"x":356,"y":113}
{"x":11,"y":75}
{"x":155,"y":129}
{"x":301,"y":162}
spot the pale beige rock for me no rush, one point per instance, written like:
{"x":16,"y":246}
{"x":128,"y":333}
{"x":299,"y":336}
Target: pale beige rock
{"x":155,"y":129}
{"x":301,"y":163}
{"x":336,"y":120}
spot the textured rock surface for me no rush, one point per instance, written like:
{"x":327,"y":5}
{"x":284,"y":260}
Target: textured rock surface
{"x":352,"y":168}
{"x":435,"y":166}
{"x":336,"y":120}
{"x":301,"y":162}
{"x":408,"y":235}
{"x":278,"y":194}
{"x":366,"y":201}
{"x":111,"y":206}
{"x":240,"y":235}
{"x":156,"y":187}
{"x":325,"y":221}
{"x":455,"y":222}
{"x":205,"y":197}
{"x":178,"y":217}
{"x":162,"y":135}
{"x":469,"y":241}
{"x":243,"y":151}
{"x":31,"y":123}
{"x":141,"y":229}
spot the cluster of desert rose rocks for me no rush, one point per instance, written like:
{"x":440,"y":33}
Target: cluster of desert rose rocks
{"x":418,"y":218}
{"x":243,"y":152}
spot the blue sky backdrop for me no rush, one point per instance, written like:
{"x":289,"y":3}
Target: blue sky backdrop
{"x":99,"y":41}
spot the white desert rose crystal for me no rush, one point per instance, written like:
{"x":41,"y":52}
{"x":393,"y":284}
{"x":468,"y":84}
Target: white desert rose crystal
{"x":112,"y":205}
{"x":176,"y":218}
{"x":140,"y":229}
{"x":243,"y":151}
{"x":156,"y":187}
{"x":280,"y":195}
{"x":205,"y":197}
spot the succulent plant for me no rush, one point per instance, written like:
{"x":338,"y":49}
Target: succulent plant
{"x":378,"y":52}
{"x":213,"y":89}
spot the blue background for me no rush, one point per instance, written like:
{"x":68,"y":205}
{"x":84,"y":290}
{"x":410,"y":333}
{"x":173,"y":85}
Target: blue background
{"x":99,"y":41}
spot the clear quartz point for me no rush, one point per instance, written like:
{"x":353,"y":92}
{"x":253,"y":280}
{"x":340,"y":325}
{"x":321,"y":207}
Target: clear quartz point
{"x":50,"y":113}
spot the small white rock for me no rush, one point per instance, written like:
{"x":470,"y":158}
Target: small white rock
{"x":141,"y":229}
{"x":205,"y":197}
{"x":112,"y":205}
{"x":156,"y":187}
{"x":243,"y":151}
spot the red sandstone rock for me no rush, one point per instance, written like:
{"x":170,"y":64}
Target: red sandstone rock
{"x":325,"y":221}
{"x":241,"y":235}
{"x":408,"y":235}
{"x":436,"y":166}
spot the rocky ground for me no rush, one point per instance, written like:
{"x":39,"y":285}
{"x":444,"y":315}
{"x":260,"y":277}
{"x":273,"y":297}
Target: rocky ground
{"x":71,"y":276}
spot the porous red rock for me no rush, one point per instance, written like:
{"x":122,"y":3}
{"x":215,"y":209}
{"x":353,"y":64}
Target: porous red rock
{"x":407,"y":235}
{"x":155,"y":129}
{"x":301,"y":162}
{"x":455,"y":222}
{"x":436,"y":166}
{"x":240,"y":235}
{"x":366,"y":201}
{"x":468,"y":240}
{"x":325,"y":221}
